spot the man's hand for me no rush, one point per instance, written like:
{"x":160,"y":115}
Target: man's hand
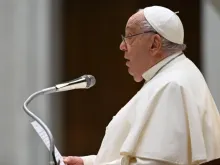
{"x":73,"y":160}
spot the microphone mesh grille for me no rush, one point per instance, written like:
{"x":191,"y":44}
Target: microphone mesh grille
{"x":90,"y":80}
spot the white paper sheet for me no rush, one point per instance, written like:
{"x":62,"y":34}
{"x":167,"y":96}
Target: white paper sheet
{"x":41,"y":132}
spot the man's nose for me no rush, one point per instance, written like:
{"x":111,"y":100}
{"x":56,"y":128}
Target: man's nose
{"x":123,"y":46}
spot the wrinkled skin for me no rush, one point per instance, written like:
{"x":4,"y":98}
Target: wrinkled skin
{"x":141,"y":51}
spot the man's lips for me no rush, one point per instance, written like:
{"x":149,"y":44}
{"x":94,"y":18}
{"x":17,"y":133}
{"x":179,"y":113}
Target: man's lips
{"x":128,"y":63}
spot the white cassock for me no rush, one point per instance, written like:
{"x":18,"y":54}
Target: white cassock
{"x":172,"y":119}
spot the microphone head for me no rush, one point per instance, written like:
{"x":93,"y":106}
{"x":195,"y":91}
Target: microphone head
{"x":83,"y":82}
{"x":90,"y":80}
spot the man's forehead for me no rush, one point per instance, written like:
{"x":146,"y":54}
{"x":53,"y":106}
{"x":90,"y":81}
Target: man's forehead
{"x":134,"y":21}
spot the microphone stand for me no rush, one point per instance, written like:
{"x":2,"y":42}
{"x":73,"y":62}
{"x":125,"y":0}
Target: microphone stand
{"x":52,"y":158}
{"x":83,"y":82}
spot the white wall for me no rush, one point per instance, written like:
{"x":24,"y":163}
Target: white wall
{"x":211,"y":46}
{"x":25,"y":67}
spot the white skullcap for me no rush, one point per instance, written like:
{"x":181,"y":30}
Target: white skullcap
{"x":166,"y":23}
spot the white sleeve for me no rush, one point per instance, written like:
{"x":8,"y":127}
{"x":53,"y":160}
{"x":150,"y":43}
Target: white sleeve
{"x":89,"y":160}
{"x":137,"y":161}
{"x":143,"y":161}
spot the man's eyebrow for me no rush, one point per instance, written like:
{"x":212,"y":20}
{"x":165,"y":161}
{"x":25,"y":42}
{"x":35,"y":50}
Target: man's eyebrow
{"x":129,"y":29}
{"x":129,"y":26}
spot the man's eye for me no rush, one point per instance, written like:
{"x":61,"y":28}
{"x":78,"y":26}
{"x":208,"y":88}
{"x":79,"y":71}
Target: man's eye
{"x":129,"y":35}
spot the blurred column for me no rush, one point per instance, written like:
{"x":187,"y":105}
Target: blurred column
{"x":26,"y":66}
{"x":210,"y":46}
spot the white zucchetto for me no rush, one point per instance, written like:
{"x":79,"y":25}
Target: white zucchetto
{"x":166,"y":23}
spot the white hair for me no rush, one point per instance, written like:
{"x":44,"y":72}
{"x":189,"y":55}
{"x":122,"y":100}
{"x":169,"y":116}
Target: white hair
{"x":167,"y":46}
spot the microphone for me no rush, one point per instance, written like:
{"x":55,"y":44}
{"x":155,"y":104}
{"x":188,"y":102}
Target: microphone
{"x":83,"y":82}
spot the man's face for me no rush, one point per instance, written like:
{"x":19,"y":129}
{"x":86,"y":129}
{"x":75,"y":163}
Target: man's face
{"x":137,"y":49}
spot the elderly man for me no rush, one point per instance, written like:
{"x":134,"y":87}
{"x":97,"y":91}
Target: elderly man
{"x":173,"y":118}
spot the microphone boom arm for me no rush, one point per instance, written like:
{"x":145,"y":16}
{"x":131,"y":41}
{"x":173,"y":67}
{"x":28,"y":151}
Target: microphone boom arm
{"x":52,"y":159}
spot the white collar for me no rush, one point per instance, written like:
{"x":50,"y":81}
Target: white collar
{"x":149,"y":74}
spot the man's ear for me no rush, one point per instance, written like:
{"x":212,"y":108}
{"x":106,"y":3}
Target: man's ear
{"x":156,"y":43}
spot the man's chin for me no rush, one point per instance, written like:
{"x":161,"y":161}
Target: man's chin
{"x":138,"y":79}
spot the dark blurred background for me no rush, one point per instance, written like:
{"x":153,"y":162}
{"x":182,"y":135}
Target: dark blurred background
{"x":46,"y":42}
